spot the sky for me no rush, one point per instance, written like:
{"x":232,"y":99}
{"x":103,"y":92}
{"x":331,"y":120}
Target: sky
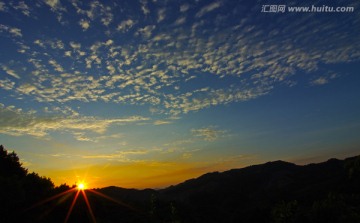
{"x":149,"y":93}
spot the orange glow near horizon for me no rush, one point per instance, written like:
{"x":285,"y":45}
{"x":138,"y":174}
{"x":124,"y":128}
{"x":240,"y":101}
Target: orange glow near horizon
{"x":138,"y":175}
{"x":134,"y":175}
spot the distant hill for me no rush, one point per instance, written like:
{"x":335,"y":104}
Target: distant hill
{"x":272,"y":192}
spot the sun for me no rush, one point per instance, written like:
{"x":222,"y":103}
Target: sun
{"x":81,"y":186}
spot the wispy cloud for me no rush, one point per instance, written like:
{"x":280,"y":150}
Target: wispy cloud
{"x":17,"y":122}
{"x":209,"y":133}
{"x":83,"y":136}
{"x":144,"y":7}
{"x":320,"y":81}
{"x":16,"y":32}
{"x":184,"y":7}
{"x":162,"y":122}
{"x":180,"y":21}
{"x":2,"y":7}
{"x":208,"y":8}
{"x":161,"y":14}
{"x":80,"y":136}
{"x":22,"y":7}
{"x":10,"y":72}
{"x":324,"y":79}
{"x":120,"y":155}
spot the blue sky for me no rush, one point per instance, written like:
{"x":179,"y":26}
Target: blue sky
{"x":150,"y":93}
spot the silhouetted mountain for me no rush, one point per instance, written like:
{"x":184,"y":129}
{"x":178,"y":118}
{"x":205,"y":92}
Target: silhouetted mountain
{"x":262,"y":193}
{"x":271,"y":192}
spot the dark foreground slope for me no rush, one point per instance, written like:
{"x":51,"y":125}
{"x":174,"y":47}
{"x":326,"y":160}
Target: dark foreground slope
{"x":271,"y":192}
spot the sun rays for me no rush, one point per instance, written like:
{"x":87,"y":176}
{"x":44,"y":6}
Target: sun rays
{"x":72,"y":206}
{"x":79,"y":189}
{"x":88,"y":206}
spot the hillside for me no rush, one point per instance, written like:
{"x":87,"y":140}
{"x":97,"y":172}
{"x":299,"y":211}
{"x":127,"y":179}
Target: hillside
{"x":271,"y":192}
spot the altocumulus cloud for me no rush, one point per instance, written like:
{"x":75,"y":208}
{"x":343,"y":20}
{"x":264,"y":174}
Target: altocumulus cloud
{"x":216,"y":55}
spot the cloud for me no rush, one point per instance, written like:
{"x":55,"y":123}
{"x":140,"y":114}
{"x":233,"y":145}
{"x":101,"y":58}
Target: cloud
{"x":121,"y":155}
{"x":187,"y":155}
{"x":205,"y":98}
{"x":324,"y":79}
{"x":58,"y":9}
{"x":162,"y":122}
{"x":125,"y":25}
{"x":7,"y":84}
{"x":52,"y":3}
{"x":320,"y":81}
{"x":144,"y":7}
{"x":95,"y":10}
{"x":184,"y":7}
{"x":180,"y":21}
{"x":80,"y":136}
{"x":56,"y":66}
{"x":112,"y":136}
{"x":84,"y":24}
{"x":23,"y":7}
{"x":75,"y":45}
{"x":27,"y":88}
{"x":207,"y":9}
{"x":3,"y":8}
{"x":10,"y":72}
{"x":161,"y":15}
{"x":208,"y":134}
{"x":146,"y":31}
{"x":15,"y":32}
{"x":17,"y":122}
{"x":165,"y":66}
{"x":107,"y":17}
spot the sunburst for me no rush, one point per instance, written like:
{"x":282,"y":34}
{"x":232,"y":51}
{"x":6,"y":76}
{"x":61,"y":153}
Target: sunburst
{"x":81,"y":188}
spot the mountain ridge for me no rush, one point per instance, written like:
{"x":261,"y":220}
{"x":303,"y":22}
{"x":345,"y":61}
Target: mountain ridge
{"x":266,"y":192}
{"x":275,"y":191}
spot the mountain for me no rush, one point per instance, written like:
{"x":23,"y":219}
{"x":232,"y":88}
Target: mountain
{"x":272,"y":192}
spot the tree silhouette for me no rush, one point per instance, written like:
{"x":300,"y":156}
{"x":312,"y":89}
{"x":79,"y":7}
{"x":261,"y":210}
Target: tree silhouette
{"x":10,"y":165}
{"x":18,"y":188}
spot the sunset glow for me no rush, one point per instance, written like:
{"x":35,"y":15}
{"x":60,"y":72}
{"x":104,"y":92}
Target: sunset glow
{"x":150,"y":93}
